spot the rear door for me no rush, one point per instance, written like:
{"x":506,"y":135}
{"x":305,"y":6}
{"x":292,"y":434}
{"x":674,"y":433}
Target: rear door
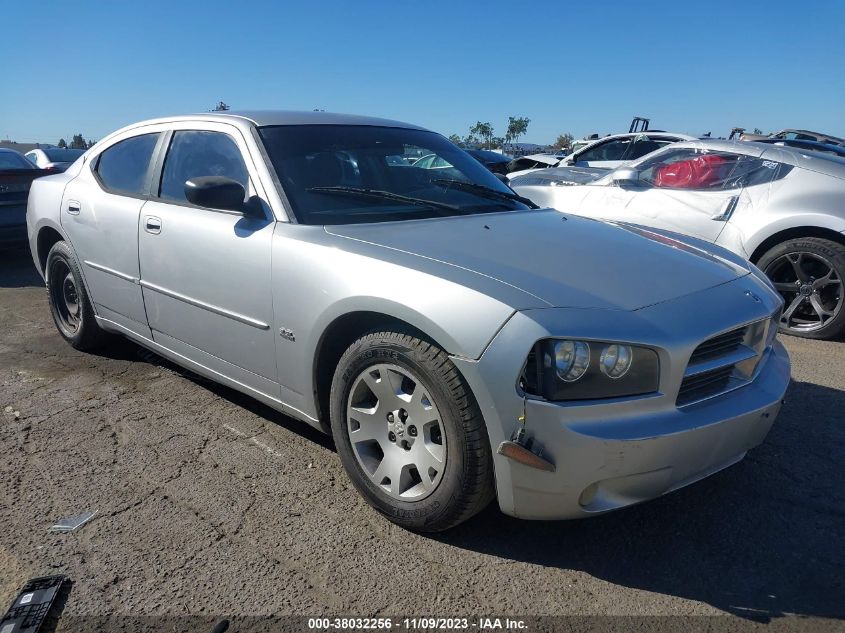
{"x":205,"y":273}
{"x":100,"y":211}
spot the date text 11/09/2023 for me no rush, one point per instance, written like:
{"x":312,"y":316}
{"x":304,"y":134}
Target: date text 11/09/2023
{"x":418,"y":623}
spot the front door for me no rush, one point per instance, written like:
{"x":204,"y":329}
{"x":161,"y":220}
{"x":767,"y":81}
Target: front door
{"x":205,"y":273}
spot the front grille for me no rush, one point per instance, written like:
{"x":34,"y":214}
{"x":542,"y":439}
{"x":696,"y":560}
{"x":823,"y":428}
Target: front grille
{"x":722,"y":362}
{"x":717,"y":346}
{"x":704,"y":385}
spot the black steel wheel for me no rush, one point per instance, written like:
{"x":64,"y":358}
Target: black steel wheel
{"x":69,"y":303}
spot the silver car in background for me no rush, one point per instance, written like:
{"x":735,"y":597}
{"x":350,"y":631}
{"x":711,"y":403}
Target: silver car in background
{"x":783,"y":208}
{"x":457,"y":343}
{"x":54,"y":158}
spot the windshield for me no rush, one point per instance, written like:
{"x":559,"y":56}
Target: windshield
{"x":349,"y":174}
{"x":63,"y":155}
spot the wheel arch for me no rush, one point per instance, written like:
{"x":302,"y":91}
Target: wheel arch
{"x":46,"y":238}
{"x":338,"y":336}
{"x":793,"y":233}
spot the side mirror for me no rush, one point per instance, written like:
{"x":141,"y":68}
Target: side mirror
{"x":625,"y":175}
{"x":216,"y":192}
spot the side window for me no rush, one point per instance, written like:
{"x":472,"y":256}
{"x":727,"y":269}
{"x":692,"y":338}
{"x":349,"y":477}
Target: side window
{"x":123,"y":167}
{"x":194,"y":154}
{"x":32,"y":158}
{"x":611,"y":150}
{"x":644,"y":145}
{"x":708,"y":170}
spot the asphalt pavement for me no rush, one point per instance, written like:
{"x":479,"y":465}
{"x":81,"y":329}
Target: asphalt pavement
{"x":210,"y":503}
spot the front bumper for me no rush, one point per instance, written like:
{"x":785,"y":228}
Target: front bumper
{"x":611,"y":454}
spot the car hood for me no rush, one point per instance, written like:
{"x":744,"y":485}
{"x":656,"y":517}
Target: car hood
{"x":565,"y":261}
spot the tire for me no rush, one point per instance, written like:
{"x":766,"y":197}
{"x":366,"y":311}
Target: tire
{"x":443,"y":419}
{"x":809,"y":273}
{"x":70,"y":306}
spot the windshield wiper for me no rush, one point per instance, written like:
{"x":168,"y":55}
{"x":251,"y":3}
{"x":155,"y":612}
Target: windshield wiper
{"x":387,"y":195}
{"x":487,"y":192}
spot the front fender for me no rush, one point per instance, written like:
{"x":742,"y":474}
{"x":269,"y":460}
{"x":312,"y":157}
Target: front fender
{"x":309,"y":295}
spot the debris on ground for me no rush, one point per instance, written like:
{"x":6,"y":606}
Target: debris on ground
{"x":32,"y":605}
{"x":69,"y":524}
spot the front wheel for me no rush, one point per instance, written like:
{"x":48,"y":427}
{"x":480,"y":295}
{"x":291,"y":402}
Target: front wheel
{"x":409,"y":432}
{"x":808,"y":273}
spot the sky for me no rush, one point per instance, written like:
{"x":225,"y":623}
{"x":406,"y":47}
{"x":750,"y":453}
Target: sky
{"x":91,"y":67}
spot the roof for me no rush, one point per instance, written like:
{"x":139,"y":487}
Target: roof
{"x":293,"y":117}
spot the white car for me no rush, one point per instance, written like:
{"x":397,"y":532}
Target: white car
{"x":55,"y":159}
{"x":612,"y":151}
{"x":780,"y":207}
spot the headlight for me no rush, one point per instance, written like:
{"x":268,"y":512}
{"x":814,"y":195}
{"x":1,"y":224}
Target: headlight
{"x":571,"y":359}
{"x":567,"y":369}
{"x":616,"y":360}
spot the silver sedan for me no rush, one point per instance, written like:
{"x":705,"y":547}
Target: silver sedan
{"x":458,"y":343}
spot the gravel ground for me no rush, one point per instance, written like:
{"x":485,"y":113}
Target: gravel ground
{"x":211,"y":503}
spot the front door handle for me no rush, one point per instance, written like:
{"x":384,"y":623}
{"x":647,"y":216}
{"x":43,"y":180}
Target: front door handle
{"x":152,"y":224}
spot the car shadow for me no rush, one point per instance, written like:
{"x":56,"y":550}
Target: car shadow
{"x":124,"y":349}
{"x":760,"y":540}
{"x":17,"y":269}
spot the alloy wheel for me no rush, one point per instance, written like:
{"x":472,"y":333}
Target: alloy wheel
{"x":396,"y":432}
{"x":811,"y":288}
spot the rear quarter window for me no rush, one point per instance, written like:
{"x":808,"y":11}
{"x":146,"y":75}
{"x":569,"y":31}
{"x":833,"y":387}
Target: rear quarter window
{"x":123,"y":168}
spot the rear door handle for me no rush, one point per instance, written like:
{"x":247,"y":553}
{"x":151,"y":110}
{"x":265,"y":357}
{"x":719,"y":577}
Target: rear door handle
{"x":152,"y":224}
{"x":73,"y":207}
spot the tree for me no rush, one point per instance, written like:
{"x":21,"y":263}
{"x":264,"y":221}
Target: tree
{"x":91,"y":143}
{"x":757,"y":130}
{"x":220,"y":107}
{"x":484,"y":130}
{"x":78,"y":142}
{"x":456,"y":139}
{"x":62,"y":143}
{"x":497,"y":141}
{"x":517,"y":126}
{"x":564,"y":141}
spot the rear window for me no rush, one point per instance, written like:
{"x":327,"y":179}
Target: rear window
{"x":693,"y":168}
{"x":63,"y":155}
{"x":123,"y":167}
{"x":13,"y":160}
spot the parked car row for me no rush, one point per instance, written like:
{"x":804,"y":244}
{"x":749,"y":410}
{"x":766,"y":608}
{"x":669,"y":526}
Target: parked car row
{"x":459,"y":343}
{"x":778,"y":206}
